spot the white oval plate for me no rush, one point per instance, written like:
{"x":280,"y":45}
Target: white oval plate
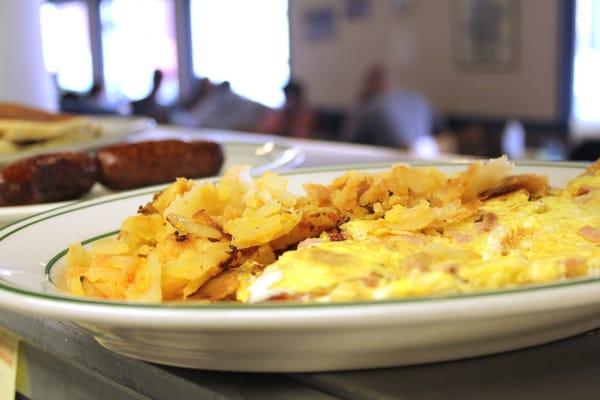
{"x":260,"y":156}
{"x":286,"y":337}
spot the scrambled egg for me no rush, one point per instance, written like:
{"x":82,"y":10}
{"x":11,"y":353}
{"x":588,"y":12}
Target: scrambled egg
{"x":511,"y":241}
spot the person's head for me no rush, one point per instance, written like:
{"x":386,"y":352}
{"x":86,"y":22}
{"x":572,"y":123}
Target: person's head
{"x":225,"y":86}
{"x":157,"y":78}
{"x":205,"y":86}
{"x":96,"y":89}
{"x":294,"y":93}
{"x":374,"y":82}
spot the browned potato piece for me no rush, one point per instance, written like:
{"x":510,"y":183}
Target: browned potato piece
{"x":535,"y":185}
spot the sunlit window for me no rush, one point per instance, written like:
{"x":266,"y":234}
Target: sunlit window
{"x":66,"y":44}
{"x":586,"y":85}
{"x":138,"y":38}
{"x":245,"y":43}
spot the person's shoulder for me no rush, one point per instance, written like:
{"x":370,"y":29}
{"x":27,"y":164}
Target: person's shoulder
{"x":410,"y":98}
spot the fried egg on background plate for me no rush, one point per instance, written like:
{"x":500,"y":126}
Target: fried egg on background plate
{"x":511,"y":241}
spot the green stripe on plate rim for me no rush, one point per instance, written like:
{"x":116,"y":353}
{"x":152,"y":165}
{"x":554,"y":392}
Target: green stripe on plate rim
{"x":56,"y":258}
{"x":141,"y":192}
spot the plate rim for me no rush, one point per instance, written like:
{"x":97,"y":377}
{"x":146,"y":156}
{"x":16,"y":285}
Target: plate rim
{"x":324,"y":313}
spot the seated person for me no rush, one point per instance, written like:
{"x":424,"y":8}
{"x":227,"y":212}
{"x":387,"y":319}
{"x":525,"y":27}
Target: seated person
{"x":386,"y":116}
{"x":588,"y":150}
{"x":294,"y":119}
{"x":90,"y":102}
{"x":149,"y":106}
{"x":218,"y":107}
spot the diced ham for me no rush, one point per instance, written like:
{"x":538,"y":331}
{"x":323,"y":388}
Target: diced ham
{"x":585,"y":193}
{"x":583,"y":190}
{"x":574,"y":266}
{"x":590,"y":233}
{"x":486,"y":223}
{"x":309,"y":242}
{"x":459,"y":237}
{"x":416,"y":239}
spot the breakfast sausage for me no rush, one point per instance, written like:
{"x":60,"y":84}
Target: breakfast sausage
{"x":47,"y":178}
{"x":134,"y":165}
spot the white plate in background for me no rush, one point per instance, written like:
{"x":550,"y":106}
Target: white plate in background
{"x":114,"y":129}
{"x":287,"y":337}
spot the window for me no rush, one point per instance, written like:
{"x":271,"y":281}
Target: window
{"x":138,"y":37}
{"x":245,"y":43}
{"x":66,"y":44}
{"x":586,"y":86}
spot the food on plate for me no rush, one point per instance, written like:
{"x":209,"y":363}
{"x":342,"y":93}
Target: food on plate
{"x":13,"y":111}
{"x":23,"y":128}
{"x":132,"y":165}
{"x":47,"y":178}
{"x":67,"y":175}
{"x":400,"y":233}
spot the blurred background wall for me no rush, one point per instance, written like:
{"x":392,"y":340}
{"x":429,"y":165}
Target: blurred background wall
{"x":418,"y":43}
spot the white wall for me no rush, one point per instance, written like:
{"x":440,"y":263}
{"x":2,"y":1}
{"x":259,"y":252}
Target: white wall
{"x":419,"y":47}
{"x":23,"y":76}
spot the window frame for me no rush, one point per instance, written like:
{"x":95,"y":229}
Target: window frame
{"x":182,"y":37}
{"x":566,"y":60}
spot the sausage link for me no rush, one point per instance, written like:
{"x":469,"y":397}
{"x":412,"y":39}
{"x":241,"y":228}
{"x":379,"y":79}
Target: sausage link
{"x":47,"y":178}
{"x":134,"y":165}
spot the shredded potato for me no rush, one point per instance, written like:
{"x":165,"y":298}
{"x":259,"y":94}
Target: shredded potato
{"x":204,"y":241}
{"x":190,"y":233}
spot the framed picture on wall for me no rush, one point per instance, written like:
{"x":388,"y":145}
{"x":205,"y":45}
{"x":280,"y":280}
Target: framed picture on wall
{"x":318,"y":24}
{"x":487,"y":36}
{"x":357,"y":9}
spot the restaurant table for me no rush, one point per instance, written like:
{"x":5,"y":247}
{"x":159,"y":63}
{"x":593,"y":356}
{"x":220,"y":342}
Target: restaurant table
{"x":58,"y":360}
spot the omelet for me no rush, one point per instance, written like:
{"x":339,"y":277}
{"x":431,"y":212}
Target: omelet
{"x":512,"y":240}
